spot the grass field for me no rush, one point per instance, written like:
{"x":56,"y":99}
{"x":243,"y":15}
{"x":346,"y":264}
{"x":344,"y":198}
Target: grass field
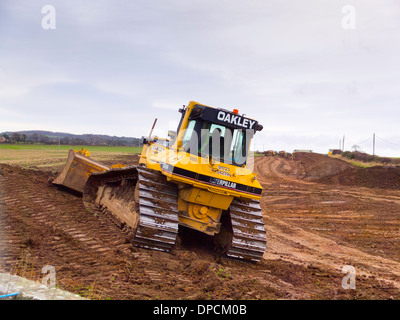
{"x":43,"y":147}
{"x":51,"y":156}
{"x":362,"y":164}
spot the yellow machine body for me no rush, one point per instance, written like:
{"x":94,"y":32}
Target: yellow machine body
{"x":199,"y":178}
{"x":206,"y":185}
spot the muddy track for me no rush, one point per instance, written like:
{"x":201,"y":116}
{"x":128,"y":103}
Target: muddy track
{"x":43,"y":225}
{"x":69,"y":234}
{"x":297,"y":202}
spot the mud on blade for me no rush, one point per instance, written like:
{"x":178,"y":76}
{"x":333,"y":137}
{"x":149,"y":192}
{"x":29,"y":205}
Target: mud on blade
{"x":77,"y":170}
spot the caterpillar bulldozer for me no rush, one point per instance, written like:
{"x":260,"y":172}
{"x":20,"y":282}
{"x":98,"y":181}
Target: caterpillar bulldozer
{"x":199,"y":178}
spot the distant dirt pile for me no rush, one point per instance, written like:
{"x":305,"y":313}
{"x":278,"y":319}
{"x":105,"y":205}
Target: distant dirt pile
{"x":373,"y":177}
{"x":323,"y":169}
{"x":316,"y":166}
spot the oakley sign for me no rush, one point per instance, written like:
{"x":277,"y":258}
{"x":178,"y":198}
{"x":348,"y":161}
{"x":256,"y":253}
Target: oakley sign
{"x":235,"y":120}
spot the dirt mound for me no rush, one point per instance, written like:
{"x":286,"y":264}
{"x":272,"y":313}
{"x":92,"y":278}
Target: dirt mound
{"x":373,"y":177}
{"x":323,"y":169}
{"x":316,"y":166}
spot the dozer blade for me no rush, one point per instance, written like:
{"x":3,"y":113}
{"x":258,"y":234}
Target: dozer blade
{"x":77,"y":171}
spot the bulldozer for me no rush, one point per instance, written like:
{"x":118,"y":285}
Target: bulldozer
{"x":199,"y":178}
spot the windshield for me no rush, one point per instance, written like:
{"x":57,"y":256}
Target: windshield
{"x":222,"y":143}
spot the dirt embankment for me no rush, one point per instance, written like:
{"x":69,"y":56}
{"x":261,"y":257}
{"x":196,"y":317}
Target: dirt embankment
{"x":323,"y":169}
{"x":315,"y":166}
{"x":373,"y":177}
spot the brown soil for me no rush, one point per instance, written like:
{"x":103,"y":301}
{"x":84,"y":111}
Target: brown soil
{"x":313,"y":230}
{"x":326,"y":170}
{"x":373,"y":177}
{"x":316,"y":166}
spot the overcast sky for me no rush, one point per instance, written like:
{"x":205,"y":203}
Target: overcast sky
{"x":306,"y":70}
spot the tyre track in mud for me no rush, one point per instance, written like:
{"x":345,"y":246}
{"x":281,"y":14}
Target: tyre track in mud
{"x":40,"y":216}
{"x":93,"y":257}
{"x":47,"y":226}
{"x":85,"y":248}
{"x":44,"y":225}
{"x":292,"y":240}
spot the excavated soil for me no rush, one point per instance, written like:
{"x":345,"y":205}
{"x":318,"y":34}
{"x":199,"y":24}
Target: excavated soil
{"x":373,"y":177}
{"x":315,"y":166}
{"x":313,"y":230}
{"x":323,"y":169}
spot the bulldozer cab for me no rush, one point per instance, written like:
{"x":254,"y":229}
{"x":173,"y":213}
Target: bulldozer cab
{"x":217,"y":134}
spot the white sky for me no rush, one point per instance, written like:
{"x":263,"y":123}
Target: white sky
{"x":111,"y":67}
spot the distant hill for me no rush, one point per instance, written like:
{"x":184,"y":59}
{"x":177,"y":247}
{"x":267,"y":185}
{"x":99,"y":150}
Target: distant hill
{"x":49,"y":137}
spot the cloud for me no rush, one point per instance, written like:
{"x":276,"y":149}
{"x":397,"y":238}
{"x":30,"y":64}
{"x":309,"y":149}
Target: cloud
{"x":112,"y":67}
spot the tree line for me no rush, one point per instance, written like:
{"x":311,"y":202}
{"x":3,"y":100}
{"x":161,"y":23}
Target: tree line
{"x":67,"y":139}
{"x":365,"y":157}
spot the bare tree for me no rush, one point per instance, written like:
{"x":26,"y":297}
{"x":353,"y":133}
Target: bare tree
{"x":355,"y":147}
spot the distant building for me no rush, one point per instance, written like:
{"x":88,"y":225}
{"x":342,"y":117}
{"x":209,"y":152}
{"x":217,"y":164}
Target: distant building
{"x":2,"y":139}
{"x":302,"y":150}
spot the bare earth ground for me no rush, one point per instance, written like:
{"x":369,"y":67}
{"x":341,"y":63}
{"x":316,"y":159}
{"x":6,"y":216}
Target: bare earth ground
{"x":313,"y":230}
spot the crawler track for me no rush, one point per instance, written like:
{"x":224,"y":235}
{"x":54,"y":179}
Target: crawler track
{"x":147,"y":204}
{"x":147,"y":207}
{"x":158,"y":225}
{"x":249,"y":239}
{"x":154,"y":200}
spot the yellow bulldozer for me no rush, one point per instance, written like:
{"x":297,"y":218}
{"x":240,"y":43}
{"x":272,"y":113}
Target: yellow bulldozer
{"x":199,"y":178}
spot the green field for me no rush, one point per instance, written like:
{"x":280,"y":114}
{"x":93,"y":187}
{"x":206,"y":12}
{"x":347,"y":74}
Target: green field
{"x":53,"y":157}
{"x":44,"y":147}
